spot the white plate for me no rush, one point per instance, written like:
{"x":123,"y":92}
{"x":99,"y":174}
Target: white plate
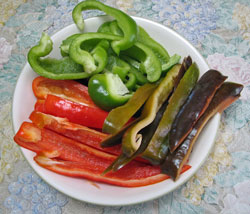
{"x":81,"y":189}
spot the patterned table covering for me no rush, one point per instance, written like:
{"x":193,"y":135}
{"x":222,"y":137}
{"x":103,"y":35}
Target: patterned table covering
{"x":219,"y":29}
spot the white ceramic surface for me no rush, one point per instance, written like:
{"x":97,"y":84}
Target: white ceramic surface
{"x":81,"y":189}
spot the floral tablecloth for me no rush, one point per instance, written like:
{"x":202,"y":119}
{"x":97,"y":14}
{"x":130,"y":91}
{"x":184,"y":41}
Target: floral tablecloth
{"x":219,"y":29}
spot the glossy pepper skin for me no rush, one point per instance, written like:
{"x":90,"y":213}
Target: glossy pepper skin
{"x":115,"y":120}
{"x":68,"y":89}
{"x":149,"y":63}
{"x":75,"y":112}
{"x":74,"y":131}
{"x":143,"y":37}
{"x":225,"y":95}
{"x":194,"y":107}
{"x":144,"y":137}
{"x":108,"y":91}
{"x":125,"y":22}
{"x":151,"y":107}
{"x":68,"y":157}
{"x":64,"y":68}
{"x":146,"y":144}
{"x":79,"y":133}
{"x":158,"y":146}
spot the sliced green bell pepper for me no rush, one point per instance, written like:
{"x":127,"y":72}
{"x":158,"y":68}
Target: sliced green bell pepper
{"x":100,"y":55}
{"x":108,"y":91}
{"x":125,"y":22}
{"x":64,"y":47}
{"x":85,"y":58}
{"x":173,"y":60}
{"x":144,"y":38}
{"x":64,"y":68}
{"x":118,"y":66}
{"x":150,"y":64}
{"x":159,"y":50}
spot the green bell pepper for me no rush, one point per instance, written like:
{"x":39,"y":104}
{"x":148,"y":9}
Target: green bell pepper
{"x":125,"y":22}
{"x":64,"y":68}
{"x":144,"y":38}
{"x":108,"y":91}
{"x":150,"y":64}
{"x":64,"y":47}
{"x":105,"y":28}
{"x":100,"y":55}
{"x":173,"y":60}
{"x":84,"y":57}
{"x":159,"y":51}
{"x":117,"y":66}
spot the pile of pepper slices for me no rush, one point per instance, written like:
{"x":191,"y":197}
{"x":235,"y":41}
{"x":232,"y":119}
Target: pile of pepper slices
{"x":136,"y":121}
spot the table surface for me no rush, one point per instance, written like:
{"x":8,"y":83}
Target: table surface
{"x":219,"y":29}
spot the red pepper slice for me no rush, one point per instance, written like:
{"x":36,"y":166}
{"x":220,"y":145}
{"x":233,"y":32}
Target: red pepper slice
{"x":52,"y":144}
{"x":68,"y":157}
{"x":89,"y":116}
{"x":129,"y":176}
{"x":68,"y":89}
{"x":74,"y":131}
{"x":39,"y":106}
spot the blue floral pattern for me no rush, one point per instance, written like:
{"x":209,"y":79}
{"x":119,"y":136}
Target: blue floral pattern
{"x":220,"y":31}
{"x":30,"y":193}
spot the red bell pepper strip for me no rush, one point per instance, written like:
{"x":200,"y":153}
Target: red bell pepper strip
{"x":53,"y":145}
{"x":68,"y":89}
{"x":76,"y":113}
{"x":74,"y":131}
{"x":68,"y":157}
{"x":129,"y":176}
{"x":39,"y":106}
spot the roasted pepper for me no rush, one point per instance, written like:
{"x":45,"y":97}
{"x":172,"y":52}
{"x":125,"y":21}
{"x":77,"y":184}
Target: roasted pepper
{"x":108,"y":91}
{"x":64,"y":68}
{"x":115,"y":120}
{"x":225,"y":95}
{"x":194,"y":107}
{"x":144,"y":137}
{"x":125,"y":22}
{"x":151,"y":107}
{"x":157,"y":148}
